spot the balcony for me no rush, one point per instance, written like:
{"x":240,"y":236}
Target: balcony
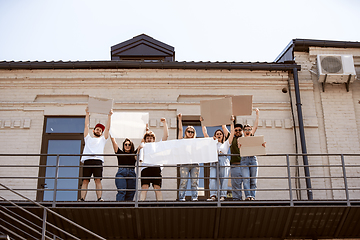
{"x":282,"y":209}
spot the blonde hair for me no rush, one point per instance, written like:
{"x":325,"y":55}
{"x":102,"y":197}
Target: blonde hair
{"x":190,"y":127}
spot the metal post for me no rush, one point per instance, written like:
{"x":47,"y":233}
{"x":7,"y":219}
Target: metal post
{"x":302,"y":135}
{"x":345,"y":180}
{"x":44,"y":225}
{"x":218,"y":183}
{"x":56,"y":179}
{"x":289,"y":180}
{"x":137,"y":181}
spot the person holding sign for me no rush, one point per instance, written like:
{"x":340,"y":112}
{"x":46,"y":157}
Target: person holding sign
{"x":188,"y":169}
{"x":151,"y":172}
{"x":94,"y":145}
{"x":126,"y":170}
{"x":224,"y":163}
{"x":249,"y":164}
{"x":236,"y":177}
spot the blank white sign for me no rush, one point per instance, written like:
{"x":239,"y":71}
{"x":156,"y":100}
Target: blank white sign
{"x":130,"y":125}
{"x":100,"y":105}
{"x":181,"y":151}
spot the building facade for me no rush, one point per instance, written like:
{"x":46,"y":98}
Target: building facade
{"x":42,"y":106}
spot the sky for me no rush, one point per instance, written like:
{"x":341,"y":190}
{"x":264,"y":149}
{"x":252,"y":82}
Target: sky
{"x":199,"y":30}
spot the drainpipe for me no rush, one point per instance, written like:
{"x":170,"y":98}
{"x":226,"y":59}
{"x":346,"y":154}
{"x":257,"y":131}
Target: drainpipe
{"x":302,"y":134}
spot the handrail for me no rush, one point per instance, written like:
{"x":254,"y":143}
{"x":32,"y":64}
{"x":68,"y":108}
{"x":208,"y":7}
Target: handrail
{"x":54,"y":213}
{"x":287,"y":166}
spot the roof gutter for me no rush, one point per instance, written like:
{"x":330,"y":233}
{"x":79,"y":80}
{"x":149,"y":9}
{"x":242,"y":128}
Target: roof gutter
{"x":147,"y":65}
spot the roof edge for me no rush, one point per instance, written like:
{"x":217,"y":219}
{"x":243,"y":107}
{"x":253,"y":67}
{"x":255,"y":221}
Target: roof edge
{"x":302,"y":45}
{"x":148,"y":65}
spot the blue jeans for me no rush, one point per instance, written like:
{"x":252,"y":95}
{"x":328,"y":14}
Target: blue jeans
{"x":249,"y":170}
{"x":122,"y":184}
{"x":224,"y":170}
{"x":236,"y":183}
{"x":194,"y":170}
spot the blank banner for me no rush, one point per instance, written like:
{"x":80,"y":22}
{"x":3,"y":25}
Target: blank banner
{"x":129,"y":124}
{"x":183,"y":151}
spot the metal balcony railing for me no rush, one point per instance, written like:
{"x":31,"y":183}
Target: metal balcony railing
{"x":339,"y":177}
{"x":279,"y":175}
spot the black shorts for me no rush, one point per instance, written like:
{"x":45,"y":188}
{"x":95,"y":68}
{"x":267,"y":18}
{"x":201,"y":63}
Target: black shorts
{"x":151,"y":172}
{"x":88,"y":171}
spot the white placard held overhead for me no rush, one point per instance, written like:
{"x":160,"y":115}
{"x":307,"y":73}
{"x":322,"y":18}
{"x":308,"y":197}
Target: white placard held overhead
{"x":129,"y":124}
{"x":181,"y":151}
{"x":100,"y":105}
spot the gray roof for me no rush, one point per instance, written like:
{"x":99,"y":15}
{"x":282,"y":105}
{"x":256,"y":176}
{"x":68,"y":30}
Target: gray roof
{"x":302,"y":45}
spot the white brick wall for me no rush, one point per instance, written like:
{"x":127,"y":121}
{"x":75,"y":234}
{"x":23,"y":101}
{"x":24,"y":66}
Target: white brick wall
{"x":29,"y":95}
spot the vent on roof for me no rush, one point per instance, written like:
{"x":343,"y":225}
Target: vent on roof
{"x":143,"y":48}
{"x":336,"y":69}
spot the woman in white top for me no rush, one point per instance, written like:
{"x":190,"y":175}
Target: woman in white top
{"x":224,"y":163}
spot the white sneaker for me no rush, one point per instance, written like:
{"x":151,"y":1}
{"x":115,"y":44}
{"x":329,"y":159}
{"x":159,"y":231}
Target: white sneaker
{"x":182,"y":200}
{"x":211,"y":199}
{"x":194,"y":200}
{"x":222,"y":199}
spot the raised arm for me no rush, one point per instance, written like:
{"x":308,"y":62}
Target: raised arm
{"x":256,"y":123}
{"x":180,"y":133}
{"x":225,"y":130}
{"x":114,"y":144}
{"x":204,"y":130}
{"x":166,"y":130}
{"x":232,"y":129}
{"x":108,"y":124}
{"x":87,"y":121}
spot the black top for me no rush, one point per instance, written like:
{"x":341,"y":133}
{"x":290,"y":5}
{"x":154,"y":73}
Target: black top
{"x":125,"y":160}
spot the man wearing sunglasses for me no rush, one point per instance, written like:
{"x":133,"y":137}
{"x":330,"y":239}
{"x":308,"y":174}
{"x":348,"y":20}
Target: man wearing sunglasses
{"x":236,"y":181}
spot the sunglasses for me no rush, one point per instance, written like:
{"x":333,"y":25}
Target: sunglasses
{"x":127,"y":144}
{"x":247,"y":130}
{"x":190,"y":132}
{"x":237,"y":130}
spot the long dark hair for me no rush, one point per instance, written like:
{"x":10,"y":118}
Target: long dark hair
{"x":223,"y":138}
{"x":132,"y":148}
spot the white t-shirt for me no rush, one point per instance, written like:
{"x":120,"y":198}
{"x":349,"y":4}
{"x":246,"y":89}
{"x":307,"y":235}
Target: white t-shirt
{"x":223,"y":148}
{"x":94,"y":145}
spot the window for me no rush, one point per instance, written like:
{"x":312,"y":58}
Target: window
{"x":62,"y":135}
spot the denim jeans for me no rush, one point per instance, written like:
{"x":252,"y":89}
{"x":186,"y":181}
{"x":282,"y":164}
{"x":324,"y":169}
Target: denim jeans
{"x":224,"y":169}
{"x":236,"y":183}
{"x":249,"y":169}
{"x":194,"y":170}
{"x":122,"y":183}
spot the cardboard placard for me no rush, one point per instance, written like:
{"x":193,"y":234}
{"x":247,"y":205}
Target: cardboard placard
{"x":100,"y":105}
{"x":251,"y":146}
{"x":130,"y":125}
{"x":242,"y":105}
{"x":216,"y":112}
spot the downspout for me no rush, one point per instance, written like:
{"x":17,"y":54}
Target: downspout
{"x":302,"y":134}
{"x":297,"y":172}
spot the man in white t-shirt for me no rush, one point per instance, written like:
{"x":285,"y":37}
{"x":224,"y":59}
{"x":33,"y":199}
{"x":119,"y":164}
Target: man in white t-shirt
{"x":94,"y":145}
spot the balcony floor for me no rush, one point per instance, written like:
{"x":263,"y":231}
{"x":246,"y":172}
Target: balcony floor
{"x":199,"y":220}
